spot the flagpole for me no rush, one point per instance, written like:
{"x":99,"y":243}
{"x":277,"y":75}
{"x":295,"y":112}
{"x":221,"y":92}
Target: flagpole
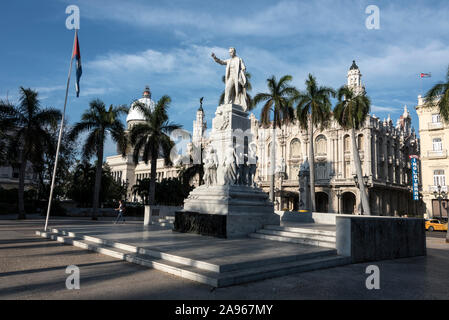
{"x":60,"y":136}
{"x":420,"y":76}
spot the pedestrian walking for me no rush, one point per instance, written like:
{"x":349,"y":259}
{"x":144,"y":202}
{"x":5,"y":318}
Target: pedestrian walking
{"x":121,"y":211}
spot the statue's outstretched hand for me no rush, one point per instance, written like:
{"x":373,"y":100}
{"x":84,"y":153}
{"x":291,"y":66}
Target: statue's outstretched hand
{"x":213,"y":55}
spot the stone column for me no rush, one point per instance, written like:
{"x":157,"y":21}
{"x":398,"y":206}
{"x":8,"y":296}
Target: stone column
{"x":368,"y":153}
{"x":376,"y":157}
{"x":385,"y":152}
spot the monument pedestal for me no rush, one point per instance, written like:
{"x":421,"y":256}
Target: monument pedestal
{"x":243,"y":210}
{"x":228,"y":205}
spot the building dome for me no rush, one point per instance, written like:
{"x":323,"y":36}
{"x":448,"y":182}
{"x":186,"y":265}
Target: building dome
{"x":354,"y":66}
{"x":134,"y":114}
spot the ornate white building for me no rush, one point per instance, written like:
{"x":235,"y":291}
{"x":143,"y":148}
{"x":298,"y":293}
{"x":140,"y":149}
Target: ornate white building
{"x":123,"y":169}
{"x":384,"y":149}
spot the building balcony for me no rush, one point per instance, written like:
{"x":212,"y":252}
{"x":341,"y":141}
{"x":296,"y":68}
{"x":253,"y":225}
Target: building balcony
{"x":435,"y":125}
{"x":320,"y":156}
{"x":435,"y":188}
{"x":441,"y":154}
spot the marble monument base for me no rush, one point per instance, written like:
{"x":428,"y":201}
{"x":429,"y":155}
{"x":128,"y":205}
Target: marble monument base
{"x":228,"y":211}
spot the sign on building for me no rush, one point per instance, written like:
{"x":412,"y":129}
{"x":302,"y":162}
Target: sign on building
{"x":415,"y":184}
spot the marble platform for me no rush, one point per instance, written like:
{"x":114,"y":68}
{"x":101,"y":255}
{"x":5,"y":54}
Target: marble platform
{"x":245,"y":209}
{"x":213,"y":261}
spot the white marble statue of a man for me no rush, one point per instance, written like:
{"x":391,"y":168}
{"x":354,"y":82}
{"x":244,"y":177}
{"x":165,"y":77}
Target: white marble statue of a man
{"x":210,"y":168}
{"x":230,"y":167}
{"x":235,"y":78}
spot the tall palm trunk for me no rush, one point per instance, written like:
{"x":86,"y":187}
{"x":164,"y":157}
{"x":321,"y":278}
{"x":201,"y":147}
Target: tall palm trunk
{"x":97,"y":187}
{"x":21,"y":190}
{"x":152,"y":191}
{"x":272,"y":160}
{"x":358,"y":170}
{"x":312,"y":168}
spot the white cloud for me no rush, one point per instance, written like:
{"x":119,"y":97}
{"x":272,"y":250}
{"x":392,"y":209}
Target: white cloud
{"x":375,"y":108}
{"x":184,"y":68}
{"x":282,"y":18}
{"x":279,"y":37}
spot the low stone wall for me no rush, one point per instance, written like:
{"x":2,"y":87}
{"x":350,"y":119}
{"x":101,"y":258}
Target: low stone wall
{"x":157,"y":212}
{"x":307,"y":217}
{"x":163,"y":211}
{"x":373,"y":238}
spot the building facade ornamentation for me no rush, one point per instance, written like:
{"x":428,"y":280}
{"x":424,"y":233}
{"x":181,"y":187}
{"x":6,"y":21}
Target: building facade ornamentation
{"x":384,"y":149}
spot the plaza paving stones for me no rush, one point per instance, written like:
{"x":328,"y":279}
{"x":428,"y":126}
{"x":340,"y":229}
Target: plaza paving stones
{"x":214,"y":261}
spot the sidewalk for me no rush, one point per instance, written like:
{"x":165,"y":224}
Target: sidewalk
{"x":34,"y":268}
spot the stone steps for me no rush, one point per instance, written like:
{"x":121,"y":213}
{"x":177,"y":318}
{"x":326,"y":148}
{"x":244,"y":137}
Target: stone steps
{"x":309,"y":236}
{"x":303,"y":230}
{"x":201,"y":271}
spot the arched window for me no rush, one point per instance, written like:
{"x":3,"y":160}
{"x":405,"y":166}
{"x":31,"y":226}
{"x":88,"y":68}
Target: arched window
{"x":347,"y":143}
{"x":360,"y":141}
{"x":321,"y":145}
{"x":295,"y":148}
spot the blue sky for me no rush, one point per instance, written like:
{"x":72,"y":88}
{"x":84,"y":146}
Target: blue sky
{"x":167,"y":45}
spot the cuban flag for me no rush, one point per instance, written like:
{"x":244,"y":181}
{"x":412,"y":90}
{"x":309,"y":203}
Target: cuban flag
{"x":425,"y":75}
{"x":79,"y":69}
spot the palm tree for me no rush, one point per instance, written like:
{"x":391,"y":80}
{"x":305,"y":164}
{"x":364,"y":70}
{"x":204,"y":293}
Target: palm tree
{"x":278,"y":108}
{"x":439,"y":94}
{"x":350,"y":113}
{"x":100,"y":122}
{"x":30,"y":138}
{"x":249,"y":87}
{"x":150,"y":139}
{"x":82,"y":176}
{"x":142,"y":188}
{"x":313,"y":110}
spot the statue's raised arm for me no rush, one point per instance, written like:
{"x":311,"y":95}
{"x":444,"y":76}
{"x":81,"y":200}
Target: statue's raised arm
{"x":218,"y":60}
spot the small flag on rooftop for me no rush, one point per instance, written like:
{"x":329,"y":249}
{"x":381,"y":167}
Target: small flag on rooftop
{"x":79,"y":69}
{"x":425,"y":75}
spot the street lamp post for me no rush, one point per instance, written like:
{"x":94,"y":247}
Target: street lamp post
{"x":339,"y":193}
{"x":440,"y":195}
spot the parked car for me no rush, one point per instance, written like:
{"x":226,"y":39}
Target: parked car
{"x":435,"y":224}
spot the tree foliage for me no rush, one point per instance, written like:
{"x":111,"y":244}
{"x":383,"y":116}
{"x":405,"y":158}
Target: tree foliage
{"x":25,"y":128}
{"x":99,"y":122}
{"x":439,"y":94}
{"x":82,"y":182}
{"x":150,"y":139}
